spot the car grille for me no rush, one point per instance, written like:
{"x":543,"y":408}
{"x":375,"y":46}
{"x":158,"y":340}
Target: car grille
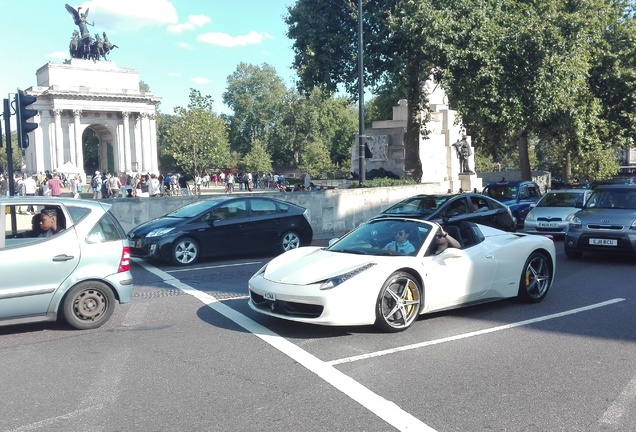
{"x":284,"y":308}
{"x":605,"y":227}
{"x":549,"y":219}
{"x":550,"y":230}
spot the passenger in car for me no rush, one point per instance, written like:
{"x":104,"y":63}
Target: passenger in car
{"x":443,"y":240}
{"x":48,"y":222}
{"x":401,"y":244}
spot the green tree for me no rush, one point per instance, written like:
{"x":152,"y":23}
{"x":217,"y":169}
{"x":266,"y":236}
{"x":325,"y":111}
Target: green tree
{"x":257,"y":160}
{"x":16,"y":153}
{"x":197,"y":140}
{"x":255,"y":95}
{"x":316,"y":160}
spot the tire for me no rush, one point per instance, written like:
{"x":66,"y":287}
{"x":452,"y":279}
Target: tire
{"x":399,"y":303}
{"x":288,"y":241}
{"x":535,"y":278}
{"x":573,"y":253}
{"x":88,"y":305}
{"x":185,"y":252}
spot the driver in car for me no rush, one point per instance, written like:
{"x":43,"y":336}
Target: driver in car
{"x":401,"y":244}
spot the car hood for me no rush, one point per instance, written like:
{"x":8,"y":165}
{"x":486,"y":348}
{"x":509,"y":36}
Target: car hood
{"x":553,"y":212}
{"x":304,"y":266}
{"x":604,"y":215}
{"x":163,"y":222}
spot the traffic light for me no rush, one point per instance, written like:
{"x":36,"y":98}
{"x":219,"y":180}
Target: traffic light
{"x":22,"y":101}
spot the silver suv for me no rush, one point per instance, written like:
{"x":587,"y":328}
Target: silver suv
{"x":61,"y":258}
{"x":605,"y":224}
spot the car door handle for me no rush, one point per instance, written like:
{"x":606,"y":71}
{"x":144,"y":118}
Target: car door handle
{"x":61,"y":258}
{"x":490,"y":256}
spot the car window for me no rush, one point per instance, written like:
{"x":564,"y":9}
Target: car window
{"x":261,"y":207}
{"x":107,"y":229}
{"x":560,"y":200}
{"x":523,"y":193}
{"x":78,"y":213}
{"x":283,"y":208}
{"x":231,"y":210}
{"x":502,"y":192}
{"x":21,"y":224}
{"x":532,"y":191}
{"x":458,"y":206}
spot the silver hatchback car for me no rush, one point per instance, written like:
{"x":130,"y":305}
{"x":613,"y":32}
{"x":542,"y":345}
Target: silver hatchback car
{"x":605,"y":224}
{"x":552,"y":214}
{"x":61,"y":258}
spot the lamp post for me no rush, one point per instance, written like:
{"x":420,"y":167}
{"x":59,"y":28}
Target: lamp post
{"x":361,"y":167}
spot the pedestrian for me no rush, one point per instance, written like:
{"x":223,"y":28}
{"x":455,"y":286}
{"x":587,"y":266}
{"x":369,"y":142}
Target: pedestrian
{"x":55,"y":185}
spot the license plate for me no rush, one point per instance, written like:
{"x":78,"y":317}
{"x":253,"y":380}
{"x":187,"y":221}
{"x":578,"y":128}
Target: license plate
{"x":548,"y":225}
{"x":603,"y":242}
{"x":269,"y":296}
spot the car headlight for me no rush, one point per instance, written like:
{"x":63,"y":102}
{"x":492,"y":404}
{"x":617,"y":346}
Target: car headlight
{"x":633,"y":225}
{"x":159,"y":232}
{"x":530,"y":216}
{"x":337,"y":280}
{"x":261,"y":271}
{"x":575,"y":222}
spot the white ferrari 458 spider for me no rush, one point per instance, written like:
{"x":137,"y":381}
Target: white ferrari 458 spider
{"x":387,"y":272}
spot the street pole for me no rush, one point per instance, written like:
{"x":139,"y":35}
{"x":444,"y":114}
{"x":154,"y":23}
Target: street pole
{"x":7,"y":131}
{"x":361,"y":152}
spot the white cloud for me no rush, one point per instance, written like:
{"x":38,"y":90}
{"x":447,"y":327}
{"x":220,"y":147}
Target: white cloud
{"x":59,"y":55}
{"x":194,"y":21}
{"x":129,"y":15}
{"x":223,"y":39}
{"x":200,"y":80}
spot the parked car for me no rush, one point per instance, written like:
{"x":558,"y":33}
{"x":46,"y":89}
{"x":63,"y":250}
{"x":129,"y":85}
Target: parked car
{"x":454,"y":209}
{"x":517,"y":195}
{"x":222,"y":226}
{"x":70,"y":262}
{"x":605,"y":224}
{"x":554,"y":210}
{"x":358,"y":281}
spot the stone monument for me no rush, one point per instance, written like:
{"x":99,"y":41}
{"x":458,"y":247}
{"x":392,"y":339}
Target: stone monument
{"x":441,"y":163}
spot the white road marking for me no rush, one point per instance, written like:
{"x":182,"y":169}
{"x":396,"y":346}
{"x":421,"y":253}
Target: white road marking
{"x":621,"y":404}
{"x":53,"y":420}
{"x":386,"y":410}
{"x":472,"y":334}
{"x":189,"y":269}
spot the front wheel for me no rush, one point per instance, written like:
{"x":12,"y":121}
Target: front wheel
{"x":88,"y":305}
{"x":185,"y":251}
{"x":399,"y":303}
{"x":535,"y":278}
{"x":290,"y":240}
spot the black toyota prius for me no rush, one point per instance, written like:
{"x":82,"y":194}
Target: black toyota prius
{"x":222,"y":226}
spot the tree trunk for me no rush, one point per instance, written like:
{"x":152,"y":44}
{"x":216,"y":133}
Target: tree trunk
{"x":524,"y":159}
{"x":412,"y":162}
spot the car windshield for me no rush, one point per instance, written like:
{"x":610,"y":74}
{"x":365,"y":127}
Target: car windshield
{"x":561,"y":200}
{"x":613,"y":198}
{"x":384,"y":237}
{"x":418,"y":205}
{"x":194,"y":209}
{"x":502,"y":192}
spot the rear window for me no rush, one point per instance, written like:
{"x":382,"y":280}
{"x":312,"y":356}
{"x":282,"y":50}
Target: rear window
{"x":107,"y":229}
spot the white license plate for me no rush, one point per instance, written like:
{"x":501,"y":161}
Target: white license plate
{"x":548,"y":225}
{"x":603,"y":242}
{"x":269,"y":296}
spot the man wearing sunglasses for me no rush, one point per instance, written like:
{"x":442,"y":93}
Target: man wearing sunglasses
{"x":443,"y":240}
{"x":401,"y":244}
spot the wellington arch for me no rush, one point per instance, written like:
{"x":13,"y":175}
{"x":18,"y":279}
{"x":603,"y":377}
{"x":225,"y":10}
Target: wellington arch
{"x":79,"y":95}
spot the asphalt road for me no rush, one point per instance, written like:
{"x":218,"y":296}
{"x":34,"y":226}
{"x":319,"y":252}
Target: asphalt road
{"x":188,"y":354}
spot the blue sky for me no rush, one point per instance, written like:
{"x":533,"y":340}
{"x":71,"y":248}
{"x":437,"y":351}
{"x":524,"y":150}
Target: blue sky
{"x":175,"y":44}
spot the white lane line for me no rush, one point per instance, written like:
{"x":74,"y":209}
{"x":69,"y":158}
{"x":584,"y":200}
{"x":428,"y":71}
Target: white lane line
{"x":472,"y":334}
{"x":621,"y":404}
{"x":385,"y":409}
{"x":189,"y":269}
{"x":53,"y":420}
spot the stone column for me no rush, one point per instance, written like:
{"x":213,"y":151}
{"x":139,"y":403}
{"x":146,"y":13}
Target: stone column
{"x":79,"y":151}
{"x":138,"y":156}
{"x":126,"y":143}
{"x":153,"y":144}
{"x":58,"y":157}
{"x":145,"y":139}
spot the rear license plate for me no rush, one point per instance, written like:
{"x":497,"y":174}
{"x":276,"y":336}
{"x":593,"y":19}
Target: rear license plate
{"x":269,"y":296}
{"x":548,"y":225}
{"x":603,"y":242}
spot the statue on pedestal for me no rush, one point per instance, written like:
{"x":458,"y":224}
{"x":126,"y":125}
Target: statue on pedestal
{"x":463,"y":153}
{"x":82,"y":45}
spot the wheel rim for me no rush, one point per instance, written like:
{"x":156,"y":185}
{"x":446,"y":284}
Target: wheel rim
{"x":537,"y":277}
{"x":90,"y":305}
{"x":400,"y":302}
{"x":186,"y":252}
{"x":290,"y":241}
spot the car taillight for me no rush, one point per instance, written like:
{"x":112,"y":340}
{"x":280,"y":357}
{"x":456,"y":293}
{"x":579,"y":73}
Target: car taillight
{"x":124,"y":263}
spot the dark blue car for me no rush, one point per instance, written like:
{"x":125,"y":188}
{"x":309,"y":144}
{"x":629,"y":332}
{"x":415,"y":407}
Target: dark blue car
{"x":517,"y":195}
